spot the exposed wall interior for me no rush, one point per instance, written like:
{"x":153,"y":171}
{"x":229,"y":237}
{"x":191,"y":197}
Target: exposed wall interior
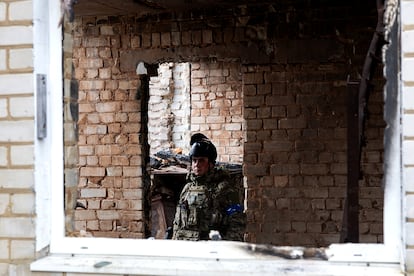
{"x":169,"y":108}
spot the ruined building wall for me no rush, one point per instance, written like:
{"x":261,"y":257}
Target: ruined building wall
{"x":109,"y":188}
{"x":216,"y":107}
{"x":169,"y":108}
{"x":296,"y":156}
{"x":268,"y":86}
{"x":197,"y":97}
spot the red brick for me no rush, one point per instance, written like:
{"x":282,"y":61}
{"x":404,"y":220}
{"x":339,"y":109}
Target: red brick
{"x":86,"y":150}
{"x":130,"y":128}
{"x":114,"y":128}
{"x":135,"y":42}
{"x":108,"y":204}
{"x":106,"y":118}
{"x":105,"y":160}
{"x":132,"y":171}
{"x":130,"y":106}
{"x":146,"y":40}
{"x":165,"y":39}
{"x":92,"y":160}
{"x":84,"y":108}
{"x":132,"y":215}
{"x":94,"y":204}
{"x":132,"y":193}
{"x":111,"y":84}
{"x":95,"y":41}
{"x":90,"y":63}
{"x":85,"y":214}
{"x":87,"y":193}
{"x":103,"y":150}
{"x":107,"y":214}
{"x":92,"y":73}
{"x":105,"y":53}
{"x":108,"y":107}
{"x":105,"y":73}
{"x":121,"y":117}
{"x":314,"y":169}
{"x":175,"y":38}
{"x":93,"y":118}
{"x":91,"y":84}
{"x":95,"y":129}
{"x":114,"y":171}
{"x":207,"y":37}
{"x":155,"y":39}
{"x":92,"y":171}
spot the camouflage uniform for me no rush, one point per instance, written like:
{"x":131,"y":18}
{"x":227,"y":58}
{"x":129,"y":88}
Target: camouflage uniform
{"x":207,"y":203}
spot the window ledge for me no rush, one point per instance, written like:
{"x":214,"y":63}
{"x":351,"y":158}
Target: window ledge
{"x":150,"y":265}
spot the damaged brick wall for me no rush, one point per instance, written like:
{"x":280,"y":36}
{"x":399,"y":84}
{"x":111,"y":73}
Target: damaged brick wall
{"x":296,"y":159}
{"x":197,"y":97}
{"x":268,"y":85}
{"x":169,"y":108}
{"x":216,"y":107}
{"x":109,"y":190}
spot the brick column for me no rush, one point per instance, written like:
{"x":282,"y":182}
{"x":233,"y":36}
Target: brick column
{"x":110,"y":167}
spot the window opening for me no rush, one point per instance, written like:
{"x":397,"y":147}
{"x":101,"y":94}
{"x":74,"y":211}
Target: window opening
{"x":119,"y":102}
{"x":66,"y":245}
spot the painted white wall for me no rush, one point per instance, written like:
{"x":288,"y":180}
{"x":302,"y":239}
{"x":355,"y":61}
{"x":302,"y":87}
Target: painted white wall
{"x":407,"y":136}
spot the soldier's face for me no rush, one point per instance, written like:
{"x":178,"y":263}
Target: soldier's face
{"x":200,"y":165}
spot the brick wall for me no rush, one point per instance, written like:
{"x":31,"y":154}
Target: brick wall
{"x":216,"y":107}
{"x":17,"y":121}
{"x":169,"y":108}
{"x":261,"y":97}
{"x":17,"y":213}
{"x":295,"y":156}
{"x":103,"y":139}
{"x":110,"y":166}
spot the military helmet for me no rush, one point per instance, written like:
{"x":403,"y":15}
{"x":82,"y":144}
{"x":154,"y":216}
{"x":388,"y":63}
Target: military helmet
{"x":201,"y":146}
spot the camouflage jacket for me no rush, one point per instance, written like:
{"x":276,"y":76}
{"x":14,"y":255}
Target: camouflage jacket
{"x":208,"y":203}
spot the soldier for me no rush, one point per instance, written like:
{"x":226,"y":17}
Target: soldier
{"x":208,"y":202}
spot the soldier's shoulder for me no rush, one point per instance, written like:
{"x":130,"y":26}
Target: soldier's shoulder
{"x":221,"y":172}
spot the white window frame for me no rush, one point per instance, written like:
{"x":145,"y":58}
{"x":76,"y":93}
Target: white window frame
{"x":49,"y":178}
